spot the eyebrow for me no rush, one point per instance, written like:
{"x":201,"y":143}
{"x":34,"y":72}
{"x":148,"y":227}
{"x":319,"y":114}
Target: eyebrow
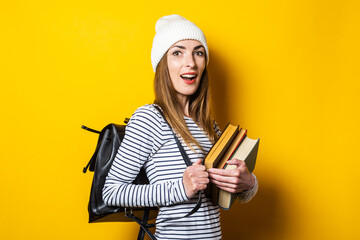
{"x":182,"y":47}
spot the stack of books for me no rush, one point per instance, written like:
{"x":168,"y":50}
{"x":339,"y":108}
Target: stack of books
{"x":232,"y":144}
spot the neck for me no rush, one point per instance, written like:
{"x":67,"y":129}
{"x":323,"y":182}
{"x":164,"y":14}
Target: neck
{"x":184,"y":102}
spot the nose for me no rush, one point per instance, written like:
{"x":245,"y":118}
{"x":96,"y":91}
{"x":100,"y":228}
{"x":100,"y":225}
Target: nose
{"x":190,"y":61}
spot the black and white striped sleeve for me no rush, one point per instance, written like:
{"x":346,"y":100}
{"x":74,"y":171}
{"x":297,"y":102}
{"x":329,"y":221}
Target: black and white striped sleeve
{"x":142,"y":134}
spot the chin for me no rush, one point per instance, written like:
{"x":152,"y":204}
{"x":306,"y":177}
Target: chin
{"x":190,"y":92}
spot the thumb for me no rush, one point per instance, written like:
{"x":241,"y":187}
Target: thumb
{"x":198,"y":162}
{"x":236,"y":162}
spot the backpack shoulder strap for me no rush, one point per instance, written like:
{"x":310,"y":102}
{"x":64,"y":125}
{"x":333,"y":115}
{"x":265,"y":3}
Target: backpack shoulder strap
{"x":187,"y":161}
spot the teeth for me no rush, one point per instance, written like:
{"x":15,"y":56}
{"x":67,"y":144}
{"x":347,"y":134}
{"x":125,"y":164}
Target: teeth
{"x":188,"y":75}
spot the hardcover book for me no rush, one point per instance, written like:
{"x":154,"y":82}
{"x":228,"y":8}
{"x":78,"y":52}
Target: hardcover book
{"x":233,"y":143}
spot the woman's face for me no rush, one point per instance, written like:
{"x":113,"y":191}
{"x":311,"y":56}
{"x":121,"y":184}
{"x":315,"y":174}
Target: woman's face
{"x":186,"y":62}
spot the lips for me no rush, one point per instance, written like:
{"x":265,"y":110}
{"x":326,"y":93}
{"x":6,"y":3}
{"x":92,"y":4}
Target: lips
{"x":189,"y":78}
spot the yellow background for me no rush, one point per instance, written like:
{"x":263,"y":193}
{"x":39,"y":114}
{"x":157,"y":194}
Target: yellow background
{"x":288,"y":71}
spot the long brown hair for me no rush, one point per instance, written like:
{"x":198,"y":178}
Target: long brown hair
{"x":199,"y":105}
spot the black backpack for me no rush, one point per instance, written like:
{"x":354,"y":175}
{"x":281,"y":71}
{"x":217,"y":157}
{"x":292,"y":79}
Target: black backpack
{"x":109,"y":140}
{"x":108,"y":144}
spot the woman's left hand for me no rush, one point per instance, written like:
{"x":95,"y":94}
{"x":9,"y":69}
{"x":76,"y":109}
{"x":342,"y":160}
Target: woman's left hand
{"x":232,"y":180}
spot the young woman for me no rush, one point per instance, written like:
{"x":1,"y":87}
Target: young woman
{"x":179,"y":57}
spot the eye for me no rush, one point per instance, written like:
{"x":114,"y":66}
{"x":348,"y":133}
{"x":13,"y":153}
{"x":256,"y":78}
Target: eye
{"x":199,"y":53}
{"x":176,"y":53}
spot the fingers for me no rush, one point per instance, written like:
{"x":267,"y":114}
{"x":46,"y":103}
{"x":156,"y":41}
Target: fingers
{"x":197,"y":174}
{"x":195,"y":178}
{"x":229,"y":187}
{"x":236,"y":162}
{"x":197,"y":166}
{"x":231,"y":184}
{"x":240,"y":166}
{"x":225,"y":172}
{"x":232,"y":180}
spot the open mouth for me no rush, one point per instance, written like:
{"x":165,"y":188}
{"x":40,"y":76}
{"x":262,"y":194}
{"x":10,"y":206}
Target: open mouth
{"x":188,"y":78}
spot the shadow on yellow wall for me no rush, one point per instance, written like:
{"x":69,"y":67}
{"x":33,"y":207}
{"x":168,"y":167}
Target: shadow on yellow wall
{"x":263,"y":215}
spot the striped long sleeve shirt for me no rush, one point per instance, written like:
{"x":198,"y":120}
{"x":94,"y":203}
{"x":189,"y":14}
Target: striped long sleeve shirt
{"x":149,"y":142}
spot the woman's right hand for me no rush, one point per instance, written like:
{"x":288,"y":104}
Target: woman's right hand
{"x":195,"y":178}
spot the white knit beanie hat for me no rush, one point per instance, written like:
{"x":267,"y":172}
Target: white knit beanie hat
{"x":171,"y":29}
